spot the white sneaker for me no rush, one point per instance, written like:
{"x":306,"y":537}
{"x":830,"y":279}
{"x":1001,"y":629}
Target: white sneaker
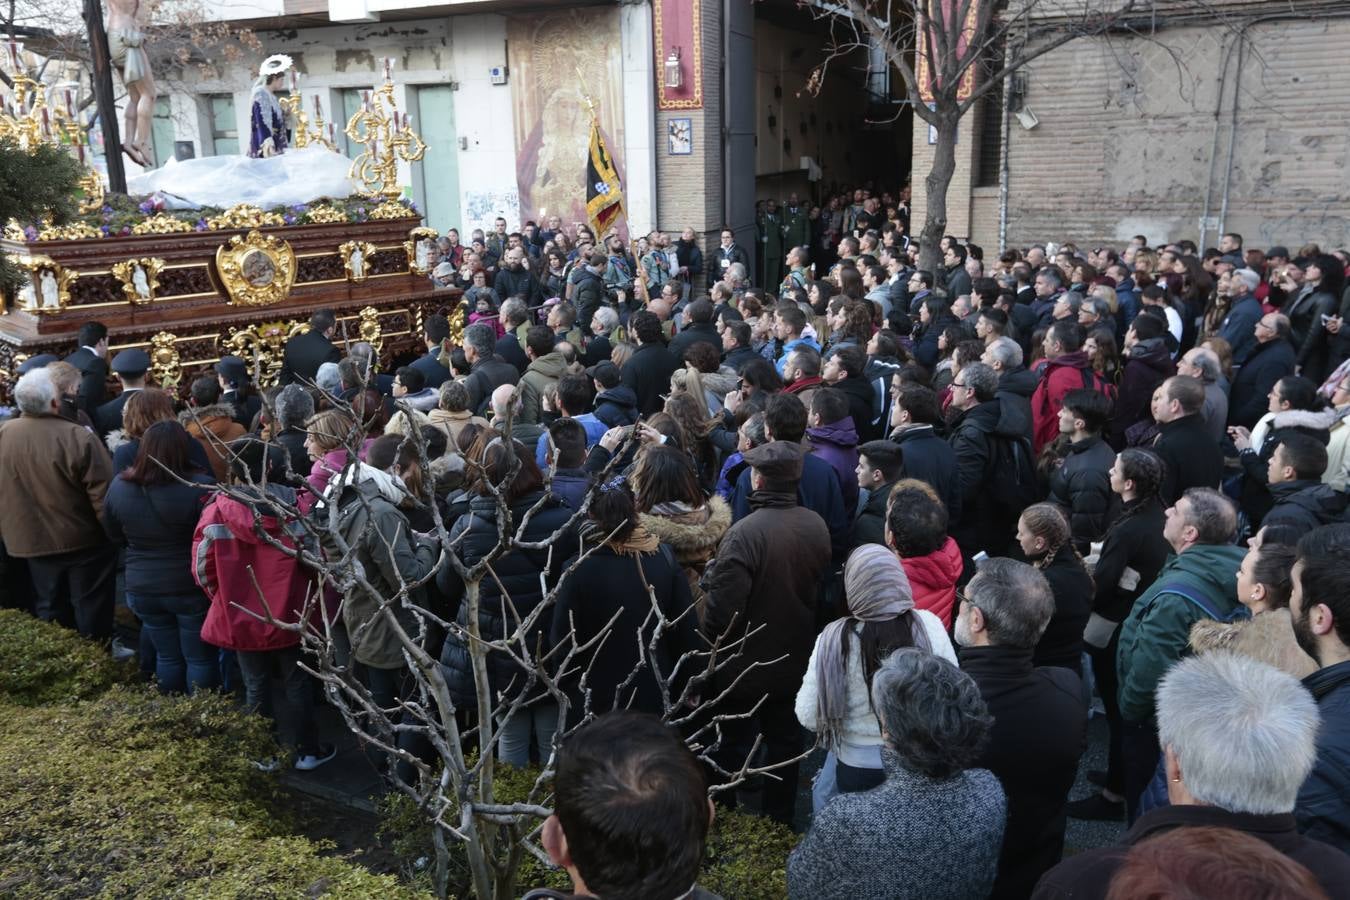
{"x":121,"y":652}
{"x":308,"y":762}
{"x":271,"y":764}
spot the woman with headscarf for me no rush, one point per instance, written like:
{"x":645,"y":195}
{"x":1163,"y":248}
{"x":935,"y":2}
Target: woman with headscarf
{"x":835,"y":697}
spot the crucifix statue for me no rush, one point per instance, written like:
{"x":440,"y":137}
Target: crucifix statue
{"x":126,"y":50}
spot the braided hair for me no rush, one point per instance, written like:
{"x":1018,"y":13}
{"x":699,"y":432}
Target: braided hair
{"x":1146,"y":469}
{"x":1047,"y":521}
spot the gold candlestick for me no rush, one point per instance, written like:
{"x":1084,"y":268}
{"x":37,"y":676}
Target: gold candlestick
{"x":387,"y":140}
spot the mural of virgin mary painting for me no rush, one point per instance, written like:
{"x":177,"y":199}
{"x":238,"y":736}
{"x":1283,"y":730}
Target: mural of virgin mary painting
{"x":557,"y":60}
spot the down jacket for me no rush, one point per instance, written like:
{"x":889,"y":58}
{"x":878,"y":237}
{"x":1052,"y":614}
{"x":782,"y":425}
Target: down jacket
{"x":1305,"y":505}
{"x":933,"y":578}
{"x":515,"y":576}
{"x":226,"y":547}
{"x":1082,"y":485}
{"x":1323,"y":808}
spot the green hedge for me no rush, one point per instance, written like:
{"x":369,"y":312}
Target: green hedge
{"x":41,"y":663}
{"x":130,"y":793}
{"x":746,"y":856}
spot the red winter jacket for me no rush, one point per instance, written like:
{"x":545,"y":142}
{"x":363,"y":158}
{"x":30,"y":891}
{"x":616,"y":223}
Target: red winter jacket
{"x":1059,"y":376}
{"x":932,"y":579}
{"x":224,"y":550}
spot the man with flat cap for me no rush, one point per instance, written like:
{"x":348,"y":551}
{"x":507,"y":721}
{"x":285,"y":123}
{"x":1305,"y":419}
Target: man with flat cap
{"x":766,"y":580}
{"x":130,"y":367}
{"x":41,"y":361}
{"x":232,"y":373}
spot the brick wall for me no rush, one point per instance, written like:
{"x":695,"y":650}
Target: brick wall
{"x":1127,"y":140}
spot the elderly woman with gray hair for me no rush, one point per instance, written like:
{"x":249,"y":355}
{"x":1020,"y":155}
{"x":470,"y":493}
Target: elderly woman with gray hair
{"x":934,"y":827}
{"x":834,"y":700}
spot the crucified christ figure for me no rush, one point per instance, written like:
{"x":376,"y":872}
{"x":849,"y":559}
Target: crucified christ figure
{"x":126,"y":48}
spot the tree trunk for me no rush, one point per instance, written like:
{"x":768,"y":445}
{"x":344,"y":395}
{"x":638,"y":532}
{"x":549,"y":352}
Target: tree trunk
{"x":101,"y":66}
{"x":935,"y":186}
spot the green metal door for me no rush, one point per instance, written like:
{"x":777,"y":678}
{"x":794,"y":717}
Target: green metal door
{"x":162,"y":131}
{"x":436,"y":177}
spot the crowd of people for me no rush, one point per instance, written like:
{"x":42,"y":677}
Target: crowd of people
{"x":946,"y":516}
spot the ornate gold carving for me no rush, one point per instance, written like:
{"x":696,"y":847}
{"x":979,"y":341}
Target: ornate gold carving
{"x":262,"y":343}
{"x":139,"y":287}
{"x":14,"y":231}
{"x":243,"y":215}
{"x":458,"y":321}
{"x":76,"y":231}
{"x":415,"y":236}
{"x":326,"y":215}
{"x":368,"y":327}
{"x":256,"y":269}
{"x":48,"y":287}
{"x":161,"y":223}
{"x":356,"y":259}
{"x":92,"y":185}
{"x":387,"y":140}
{"x":391,"y":209}
{"x":165,"y":365}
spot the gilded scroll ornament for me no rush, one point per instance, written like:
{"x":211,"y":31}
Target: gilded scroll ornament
{"x":369,"y":327}
{"x":391,"y":209}
{"x":419,"y":246}
{"x":256,"y":269}
{"x":326,"y":215}
{"x":356,"y":259}
{"x":243,"y":215}
{"x":47,"y":288}
{"x":139,"y":277}
{"x":262,"y":345}
{"x":160,"y":223}
{"x":165,"y":365}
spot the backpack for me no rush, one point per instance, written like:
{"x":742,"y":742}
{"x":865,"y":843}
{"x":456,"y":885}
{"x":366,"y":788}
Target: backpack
{"x":1094,"y":382}
{"x":1013,"y":484}
{"x":1200,"y":600}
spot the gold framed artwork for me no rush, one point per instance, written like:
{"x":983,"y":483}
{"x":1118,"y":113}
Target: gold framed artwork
{"x":139,"y":277}
{"x":420,"y":245}
{"x":356,"y":259}
{"x":256,"y":269}
{"x":47,"y":286}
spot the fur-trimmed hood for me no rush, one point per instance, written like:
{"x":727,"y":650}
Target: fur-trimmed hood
{"x":693,"y":532}
{"x":1267,"y":637}
{"x":203,"y":413}
{"x":116,"y":438}
{"x":1302,"y":418}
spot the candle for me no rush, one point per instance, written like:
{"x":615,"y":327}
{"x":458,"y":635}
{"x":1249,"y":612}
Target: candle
{"x":318,"y":110}
{"x":365,"y":100}
{"x":295,"y":81}
{"x":388,"y":65}
{"x":80,"y":147}
{"x":375,"y":148}
{"x":14,"y":47}
{"x":70,"y":105}
{"x":46,"y":123}
{"x":332,"y":135}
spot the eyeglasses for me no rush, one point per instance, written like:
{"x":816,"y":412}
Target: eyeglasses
{"x":957,"y":384}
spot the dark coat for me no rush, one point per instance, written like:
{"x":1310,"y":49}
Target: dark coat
{"x":302,"y":356}
{"x":155,"y":523}
{"x":931,"y":459}
{"x":1256,"y":499}
{"x":598,"y":350}
{"x":246,"y":407}
{"x":617,"y":406}
{"x":570,"y":486}
{"x":1148,"y":365}
{"x":926,"y":350}
{"x":606,"y":583}
{"x":1082,"y":485}
{"x":292,"y":442}
{"x":516,"y":574}
{"x":430,"y":366}
{"x":1087,"y":875}
{"x":1192,"y":456}
{"x":1039,"y":734}
{"x":737,"y":358}
{"x":870,"y":525}
{"x":108,"y":417}
{"x":588,"y":293}
{"x":984,"y":525}
{"x":1133,"y":553}
{"x":1305,"y":505}
{"x":837,"y":444}
{"x":647,"y":373}
{"x":1305,"y":314}
{"x":767,"y":572}
{"x":861,"y":397}
{"x":1062,"y":643}
{"x":509,"y":349}
{"x":93,"y":380}
{"x":1239,"y":327}
{"x":692,"y":334}
{"x":124,"y":454}
{"x":509,"y":283}
{"x":957,"y":280}
{"x":1269,"y":362}
{"x":818,"y":491}
{"x":721,"y":255}
{"x":485,"y":376}
{"x":1323,"y":808}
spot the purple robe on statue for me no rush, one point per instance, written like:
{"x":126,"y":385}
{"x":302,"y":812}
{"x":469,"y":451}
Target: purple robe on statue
{"x":268,"y":123}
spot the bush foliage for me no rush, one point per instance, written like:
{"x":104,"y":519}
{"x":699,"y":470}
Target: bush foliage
{"x":130,"y":793}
